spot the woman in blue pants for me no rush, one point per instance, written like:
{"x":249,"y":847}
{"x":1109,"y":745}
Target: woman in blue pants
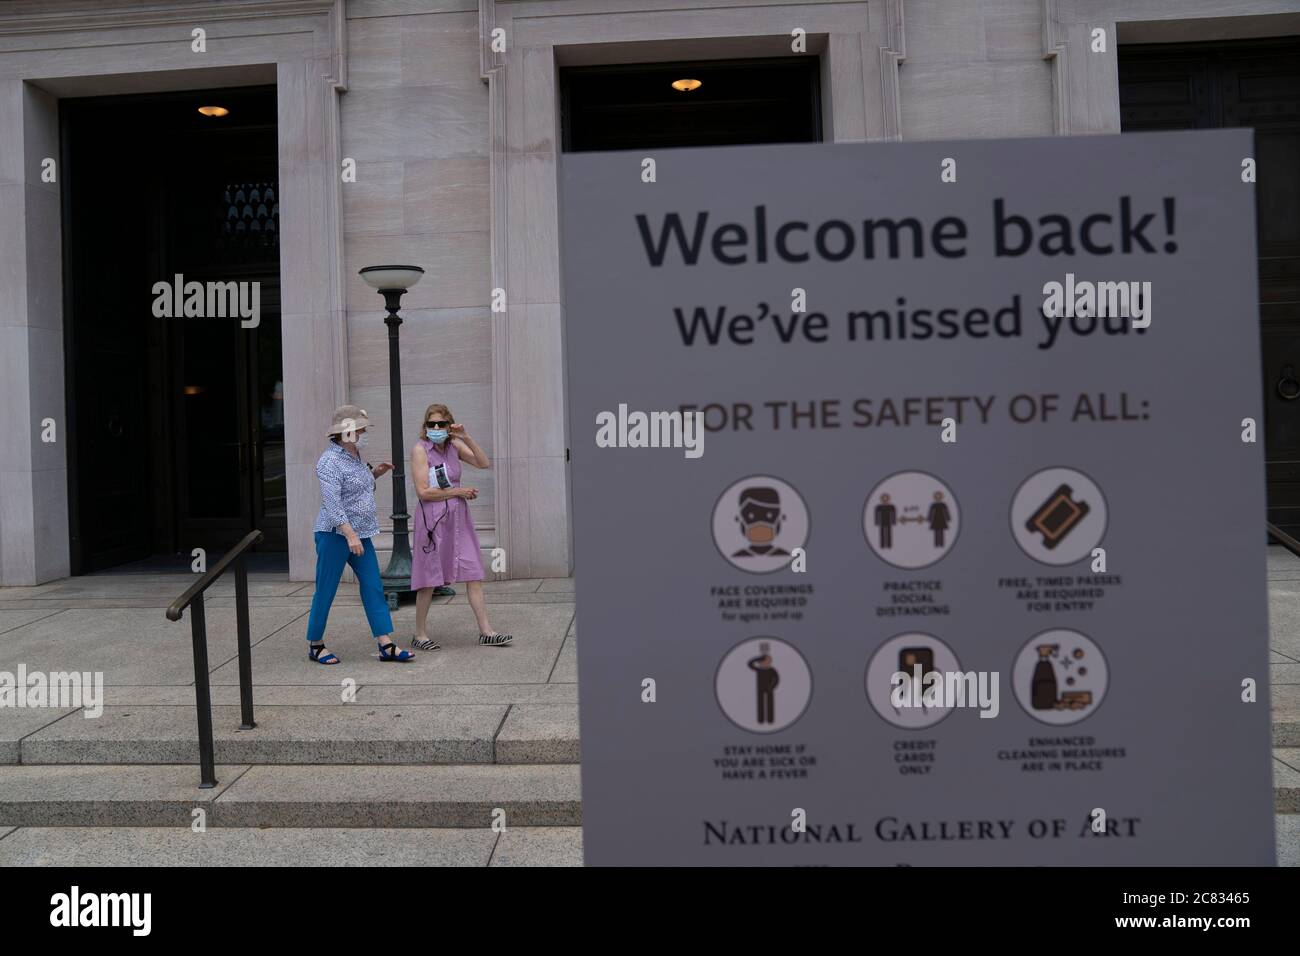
{"x":347,"y":521}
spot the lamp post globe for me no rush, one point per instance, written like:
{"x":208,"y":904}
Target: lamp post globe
{"x":392,"y":281}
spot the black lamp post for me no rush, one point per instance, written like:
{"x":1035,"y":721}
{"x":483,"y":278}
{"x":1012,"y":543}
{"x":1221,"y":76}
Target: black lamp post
{"x":392,"y":282}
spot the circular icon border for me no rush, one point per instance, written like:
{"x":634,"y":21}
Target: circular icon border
{"x":1020,"y":650}
{"x":812,"y":683}
{"x":725,"y":557}
{"x":866,"y":693}
{"x":1011,"y":518}
{"x":866,"y":535}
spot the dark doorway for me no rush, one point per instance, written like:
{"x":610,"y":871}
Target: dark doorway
{"x":175,"y":423}
{"x":737,"y":102}
{"x":1254,"y":83}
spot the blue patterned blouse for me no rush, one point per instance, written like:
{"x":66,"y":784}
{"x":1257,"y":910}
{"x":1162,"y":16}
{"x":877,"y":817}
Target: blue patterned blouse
{"x":347,"y":493}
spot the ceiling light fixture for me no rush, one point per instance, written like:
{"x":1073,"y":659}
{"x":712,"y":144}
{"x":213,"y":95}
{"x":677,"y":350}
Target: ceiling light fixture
{"x":685,"y":86}
{"x":214,"y":110}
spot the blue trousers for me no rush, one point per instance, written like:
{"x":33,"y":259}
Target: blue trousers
{"x":331,"y":554}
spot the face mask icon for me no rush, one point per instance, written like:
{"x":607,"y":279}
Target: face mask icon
{"x":759,"y":524}
{"x":760,"y":517}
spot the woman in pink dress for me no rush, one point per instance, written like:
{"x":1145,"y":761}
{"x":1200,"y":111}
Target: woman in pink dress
{"x":444,"y":546}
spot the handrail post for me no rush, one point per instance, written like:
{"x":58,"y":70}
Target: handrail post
{"x":1284,"y":539}
{"x":203,"y":695}
{"x":245,"y":651}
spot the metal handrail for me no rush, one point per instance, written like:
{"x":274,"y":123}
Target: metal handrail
{"x":193,"y":599}
{"x":211,"y":575}
{"x":1284,"y":539}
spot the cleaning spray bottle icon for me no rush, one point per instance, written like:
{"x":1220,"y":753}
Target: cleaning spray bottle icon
{"x":1042,"y":689}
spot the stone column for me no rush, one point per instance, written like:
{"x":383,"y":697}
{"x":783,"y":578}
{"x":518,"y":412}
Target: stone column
{"x":34,"y":543}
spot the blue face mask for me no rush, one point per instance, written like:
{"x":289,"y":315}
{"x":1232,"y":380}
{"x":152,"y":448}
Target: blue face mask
{"x":437,"y":435}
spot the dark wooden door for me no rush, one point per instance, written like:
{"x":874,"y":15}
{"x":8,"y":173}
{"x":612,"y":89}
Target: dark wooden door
{"x":222,"y":226}
{"x":106,"y":320}
{"x":1248,"y":84}
{"x":175,"y":424}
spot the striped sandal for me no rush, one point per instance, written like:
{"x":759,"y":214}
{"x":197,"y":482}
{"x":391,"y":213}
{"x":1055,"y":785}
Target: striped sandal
{"x":425,"y":644}
{"x":495,"y":640}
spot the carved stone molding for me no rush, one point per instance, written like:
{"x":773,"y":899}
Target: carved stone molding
{"x":492,"y":70}
{"x":893,"y":51}
{"x":1054,"y":51}
{"x":58,"y":16}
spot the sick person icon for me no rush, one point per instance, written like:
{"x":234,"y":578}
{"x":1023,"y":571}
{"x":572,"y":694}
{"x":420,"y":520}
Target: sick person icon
{"x":886,"y":517}
{"x":939,"y":518}
{"x":766,"y":679}
{"x":760,"y":522}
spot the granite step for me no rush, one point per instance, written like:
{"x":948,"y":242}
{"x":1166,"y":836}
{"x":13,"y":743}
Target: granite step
{"x":355,"y":733}
{"x":289,"y":846}
{"x":339,"y":796}
{"x":1285,"y":699}
{"x":1286,"y":779}
{"x":466,"y":796}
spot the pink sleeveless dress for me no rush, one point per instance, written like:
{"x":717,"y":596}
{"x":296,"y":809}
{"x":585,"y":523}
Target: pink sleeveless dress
{"x":444,"y":545}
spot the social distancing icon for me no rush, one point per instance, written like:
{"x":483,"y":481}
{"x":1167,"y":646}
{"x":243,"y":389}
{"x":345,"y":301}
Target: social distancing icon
{"x":911,"y":519}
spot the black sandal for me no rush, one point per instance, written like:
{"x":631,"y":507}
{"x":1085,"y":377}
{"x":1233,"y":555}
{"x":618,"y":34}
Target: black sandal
{"x":386,"y":654}
{"x":317,"y":653}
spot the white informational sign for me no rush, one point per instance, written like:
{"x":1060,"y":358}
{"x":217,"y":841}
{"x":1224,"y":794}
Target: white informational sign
{"x":965,"y":564}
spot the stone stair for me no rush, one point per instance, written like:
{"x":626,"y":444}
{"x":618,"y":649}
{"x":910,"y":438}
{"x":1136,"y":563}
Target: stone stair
{"x":450,"y":795}
{"x":309,"y":766}
{"x":394,"y":766}
{"x":289,"y":846}
{"x":356,"y":733}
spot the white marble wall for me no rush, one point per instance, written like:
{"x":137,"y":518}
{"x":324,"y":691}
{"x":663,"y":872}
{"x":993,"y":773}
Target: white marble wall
{"x":974,"y":69}
{"x":458,"y":176}
{"x":415,"y":119}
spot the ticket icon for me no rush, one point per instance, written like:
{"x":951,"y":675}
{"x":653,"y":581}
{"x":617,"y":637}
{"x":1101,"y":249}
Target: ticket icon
{"x":1056,"y":517}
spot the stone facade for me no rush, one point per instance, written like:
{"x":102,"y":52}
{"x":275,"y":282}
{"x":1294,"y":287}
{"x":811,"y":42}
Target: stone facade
{"x":456,"y":148}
